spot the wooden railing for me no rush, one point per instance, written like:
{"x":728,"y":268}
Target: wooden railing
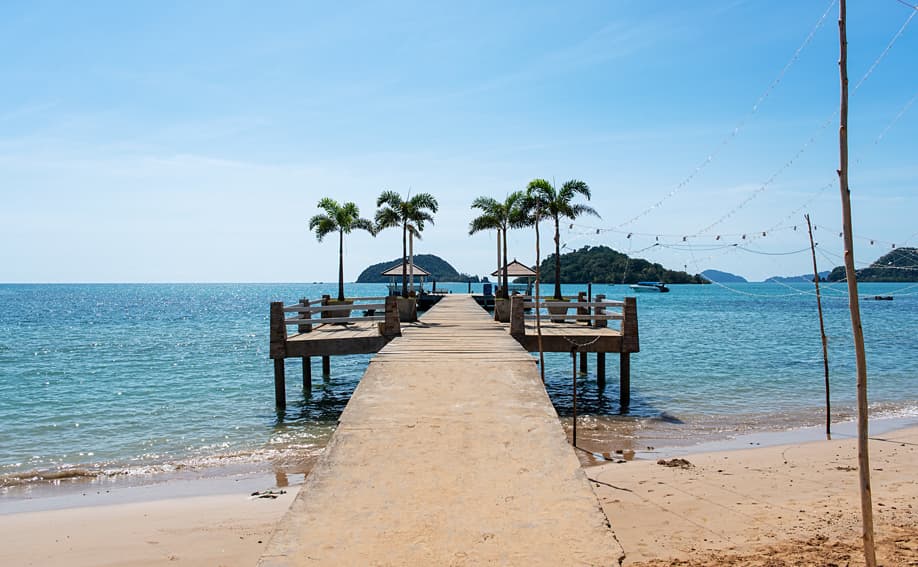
{"x":594,"y":314}
{"x":327,"y":311}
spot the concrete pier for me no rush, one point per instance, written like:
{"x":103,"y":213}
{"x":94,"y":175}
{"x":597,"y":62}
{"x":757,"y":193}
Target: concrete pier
{"x":449,"y":453}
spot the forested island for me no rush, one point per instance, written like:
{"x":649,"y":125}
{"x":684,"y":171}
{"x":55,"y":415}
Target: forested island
{"x":440,"y":270}
{"x":900,"y":265}
{"x":601,"y":264}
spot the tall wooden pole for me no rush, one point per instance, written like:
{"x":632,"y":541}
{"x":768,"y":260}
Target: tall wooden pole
{"x":863,"y":459}
{"x":538,"y":296}
{"x":822,"y":330}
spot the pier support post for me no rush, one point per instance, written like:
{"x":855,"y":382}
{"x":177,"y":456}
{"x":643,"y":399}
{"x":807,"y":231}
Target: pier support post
{"x":326,"y":366}
{"x":277,"y":350}
{"x":624,"y":380}
{"x":517,"y":316}
{"x":307,"y":375}
{"x":583,"y":362}
{"x":391,"y":327}
{"x":601,"y":369}
{"x":280,"y":387}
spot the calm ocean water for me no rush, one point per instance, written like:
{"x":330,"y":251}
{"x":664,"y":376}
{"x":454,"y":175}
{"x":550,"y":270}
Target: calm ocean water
{"x":125,"y":381}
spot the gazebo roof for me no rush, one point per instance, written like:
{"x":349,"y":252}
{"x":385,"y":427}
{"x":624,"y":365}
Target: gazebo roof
{"x":396,"y":270}
{"x":515,"y":270}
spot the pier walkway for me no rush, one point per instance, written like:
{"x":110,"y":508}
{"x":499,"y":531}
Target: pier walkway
{"x":448,"y":453}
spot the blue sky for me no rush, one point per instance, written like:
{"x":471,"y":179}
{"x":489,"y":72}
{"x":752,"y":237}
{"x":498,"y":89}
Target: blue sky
{"x":191,"y":141}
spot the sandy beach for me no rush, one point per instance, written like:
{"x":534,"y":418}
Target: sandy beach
{"x":792,"y":504}
{"x":225,"y":530}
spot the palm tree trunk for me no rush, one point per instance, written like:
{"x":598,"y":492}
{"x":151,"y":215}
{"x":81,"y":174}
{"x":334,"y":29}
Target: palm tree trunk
{"x":497,"y":284}
{"x":340,"y":265}
{"x":557,"y":260}
{"x":506,"y":263}
{"x":404,"y":259}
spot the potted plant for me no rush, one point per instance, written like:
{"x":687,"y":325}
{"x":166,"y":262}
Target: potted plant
{"x":407,"y":309}
{"x":557,"y":309}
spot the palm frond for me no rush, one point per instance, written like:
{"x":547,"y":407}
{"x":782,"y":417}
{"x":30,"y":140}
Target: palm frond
{"x":575,"y":186}
{"x":580,"y":210}
{"x":484,"y":222}
{"x":364,"y":224}
{"x":323,"y":225}
{"x":391,"y":198}
{"x":329,"y":205}
{"x":424,"y":201}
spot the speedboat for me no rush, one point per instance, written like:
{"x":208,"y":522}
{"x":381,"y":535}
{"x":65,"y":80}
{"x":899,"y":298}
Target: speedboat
{"x":650,"y":286}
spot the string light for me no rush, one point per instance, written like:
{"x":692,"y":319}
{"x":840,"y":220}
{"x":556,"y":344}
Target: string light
{"x":736,"y":130}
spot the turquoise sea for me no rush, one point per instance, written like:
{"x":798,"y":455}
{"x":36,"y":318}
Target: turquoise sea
{"x":126,"y":382}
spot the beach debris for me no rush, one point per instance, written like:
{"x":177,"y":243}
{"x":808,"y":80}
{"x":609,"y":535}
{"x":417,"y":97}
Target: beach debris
{"x":676,"y":463}
{"x":272,"y":494}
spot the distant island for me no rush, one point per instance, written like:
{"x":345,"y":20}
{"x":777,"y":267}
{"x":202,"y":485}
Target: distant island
{"x":440,"y":270}
{"x":601,"y":264}
{"x":900,"y":265}
{"x":803,"y":278}
{"x":718,"y":276}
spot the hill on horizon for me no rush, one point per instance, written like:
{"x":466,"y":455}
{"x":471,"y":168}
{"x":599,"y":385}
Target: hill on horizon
{"x":722,"y":277}
{"x":900,"y":265}
{"x":802,"y":278}
{"x":601,"y":264}
{"x":440,"y":270}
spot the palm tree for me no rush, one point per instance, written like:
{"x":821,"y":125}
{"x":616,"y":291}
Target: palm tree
{"x":556,"y":203}
{"x":341,"y":219}
{"x":410,"y":214}
{"x":501,"y":216}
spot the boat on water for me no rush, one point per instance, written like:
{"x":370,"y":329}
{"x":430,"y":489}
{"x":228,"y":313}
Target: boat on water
{"x":650,"y":286}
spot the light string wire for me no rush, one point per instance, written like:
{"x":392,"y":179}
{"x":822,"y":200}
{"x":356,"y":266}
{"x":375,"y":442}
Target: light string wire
{"x":764,"y":186}
{"x":736,"y":130}
{"x":787,"y":164}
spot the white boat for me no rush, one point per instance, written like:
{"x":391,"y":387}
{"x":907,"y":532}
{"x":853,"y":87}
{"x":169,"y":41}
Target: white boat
{"x":650,"y":286}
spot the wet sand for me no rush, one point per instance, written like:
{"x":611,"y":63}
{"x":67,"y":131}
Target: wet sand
{"x":791,"y":504}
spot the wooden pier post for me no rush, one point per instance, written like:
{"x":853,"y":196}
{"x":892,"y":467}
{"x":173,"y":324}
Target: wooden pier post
{"x":280,"y":386}
{"x":307,"y":361}
{"x":326,"y":366}
{"x":601,"y":369}
{"x":391,"y":327}
{"x":517,"y":311}
{"x":630,"y":343}
{"x":277,"y":350}
{"x":307,"y":375}
{"x":624,"y":380}
{"x":600,"y":356}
